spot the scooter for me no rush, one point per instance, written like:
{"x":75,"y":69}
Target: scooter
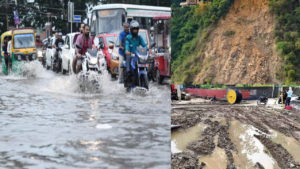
{"x":58,"y":69}
{"x":90,"y":64}
{"x":263,"y":100}
{"x":138,"y":76}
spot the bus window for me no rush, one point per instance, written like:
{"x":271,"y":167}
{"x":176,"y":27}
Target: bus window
{"x":109,"y":21}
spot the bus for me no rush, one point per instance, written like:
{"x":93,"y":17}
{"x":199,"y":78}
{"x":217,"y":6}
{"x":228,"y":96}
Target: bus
{"x":109,"y":18}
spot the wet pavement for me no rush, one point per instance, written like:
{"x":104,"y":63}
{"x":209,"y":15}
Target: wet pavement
{"x":49,"y":122}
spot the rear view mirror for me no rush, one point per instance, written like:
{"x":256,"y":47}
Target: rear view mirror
{"x":123,"y":17}
{"x":111,"y":46}
{"x":78,"y":46}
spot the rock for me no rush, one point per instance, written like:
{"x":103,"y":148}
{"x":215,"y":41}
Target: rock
{"x":292,"y":165}
{"x":248,"y":37}
{"x":267,"y":42}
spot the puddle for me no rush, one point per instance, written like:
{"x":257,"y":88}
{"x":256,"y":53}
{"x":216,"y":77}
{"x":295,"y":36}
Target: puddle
{"x":289,"y":143}
{"x":180,"y":139}
{"x":217,"y":160}
{"x":250,"y":150}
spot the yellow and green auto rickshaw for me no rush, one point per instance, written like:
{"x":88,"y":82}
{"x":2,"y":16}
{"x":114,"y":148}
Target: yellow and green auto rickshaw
{"x":23,"y":47}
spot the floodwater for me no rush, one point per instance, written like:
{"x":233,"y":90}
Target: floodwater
{"x":217,"y":160}
{"x":180,"y":139}
{"x":48,"y":122}
{"x":250,"y":149}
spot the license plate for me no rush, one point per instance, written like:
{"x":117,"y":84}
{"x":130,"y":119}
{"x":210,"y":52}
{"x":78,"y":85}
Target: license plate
{"x":26,"y":52}
{"x":145,"y":65}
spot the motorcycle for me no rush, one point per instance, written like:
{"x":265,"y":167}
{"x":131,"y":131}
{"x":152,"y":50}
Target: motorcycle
{"x":90,"y":64}
{"x":138,"y":68}
{"x":58,"y":69}
{"x":263,"y":100}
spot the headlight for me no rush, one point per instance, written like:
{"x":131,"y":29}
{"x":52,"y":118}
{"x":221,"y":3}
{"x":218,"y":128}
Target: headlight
{"x":19,"y":57}
{"x":143,"y":58}
{"x":93,"y":61}
{"x":33,"y":56}
{"x":40,"y":53}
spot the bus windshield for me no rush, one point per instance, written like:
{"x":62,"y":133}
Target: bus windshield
{"x":24,"y":41}
{"x":109,"y":21}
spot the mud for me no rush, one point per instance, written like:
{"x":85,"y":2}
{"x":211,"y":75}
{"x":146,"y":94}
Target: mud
{"x":283,"y":158}
{"x":275,"y":132}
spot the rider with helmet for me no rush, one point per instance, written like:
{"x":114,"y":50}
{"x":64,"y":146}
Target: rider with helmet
{"x":38,"y":41}
{"x":133,"y":41}
{"x":58,"y":43}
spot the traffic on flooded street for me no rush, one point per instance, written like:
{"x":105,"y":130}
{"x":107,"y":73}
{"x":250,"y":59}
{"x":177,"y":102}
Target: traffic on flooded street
{"x":48,"y":122}
{"x":86,"y":91}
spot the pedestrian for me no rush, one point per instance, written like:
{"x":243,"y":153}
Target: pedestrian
{"x":289,"y":96}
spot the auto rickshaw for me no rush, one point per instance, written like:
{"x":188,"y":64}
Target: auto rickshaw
{"x":23,"y":48}
{"x":162,"y":58}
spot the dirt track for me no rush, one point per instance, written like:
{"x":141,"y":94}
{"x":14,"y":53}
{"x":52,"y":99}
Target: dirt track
{"x":219,"y":135}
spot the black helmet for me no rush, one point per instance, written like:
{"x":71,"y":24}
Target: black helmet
{"x":37,"y":35}
{"x":93,"y":33}
{"x":134,"y":25}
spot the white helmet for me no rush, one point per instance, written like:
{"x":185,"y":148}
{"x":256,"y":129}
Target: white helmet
{"x":152,"y":29}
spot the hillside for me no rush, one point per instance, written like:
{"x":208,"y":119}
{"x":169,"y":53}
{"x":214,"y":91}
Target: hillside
{"x":240,"y":47}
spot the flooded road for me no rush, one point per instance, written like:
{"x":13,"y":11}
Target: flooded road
{"x":48,"y":122}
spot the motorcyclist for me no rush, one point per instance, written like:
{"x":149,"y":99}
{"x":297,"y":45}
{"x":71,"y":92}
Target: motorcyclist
{"x":74,"y":41}
{"x":132,"y":42}
{"x":38,"y":42}
{"x":263,"y":96}
{"x":86,"y":42}
{"x":58,"y":43}
{"x":122,"y":38}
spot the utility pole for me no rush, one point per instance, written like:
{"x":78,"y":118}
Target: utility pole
{"x":6,"y":16}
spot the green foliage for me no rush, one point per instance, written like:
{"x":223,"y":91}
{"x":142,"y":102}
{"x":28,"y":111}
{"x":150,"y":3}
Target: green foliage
{"x":286,"y":32}
{"x":292,"y":75}
{"x":229,"y":33}
{"x":287,"y":36}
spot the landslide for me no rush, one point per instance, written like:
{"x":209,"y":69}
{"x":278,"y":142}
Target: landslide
{"x":241,"y":50}
{"x":238,"y":49}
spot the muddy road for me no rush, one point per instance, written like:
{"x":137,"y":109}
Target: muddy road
{"x":219,"y":137}
{"x":49,"y":122}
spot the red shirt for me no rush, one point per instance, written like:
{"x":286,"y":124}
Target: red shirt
{"x":86,"y":45}
{"x":75,"y":37}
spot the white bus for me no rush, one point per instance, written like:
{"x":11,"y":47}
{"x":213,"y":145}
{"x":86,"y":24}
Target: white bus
{"x":109,"y":18}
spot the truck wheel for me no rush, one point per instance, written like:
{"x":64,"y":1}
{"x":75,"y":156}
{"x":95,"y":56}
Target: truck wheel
{"x":159,"y":78}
